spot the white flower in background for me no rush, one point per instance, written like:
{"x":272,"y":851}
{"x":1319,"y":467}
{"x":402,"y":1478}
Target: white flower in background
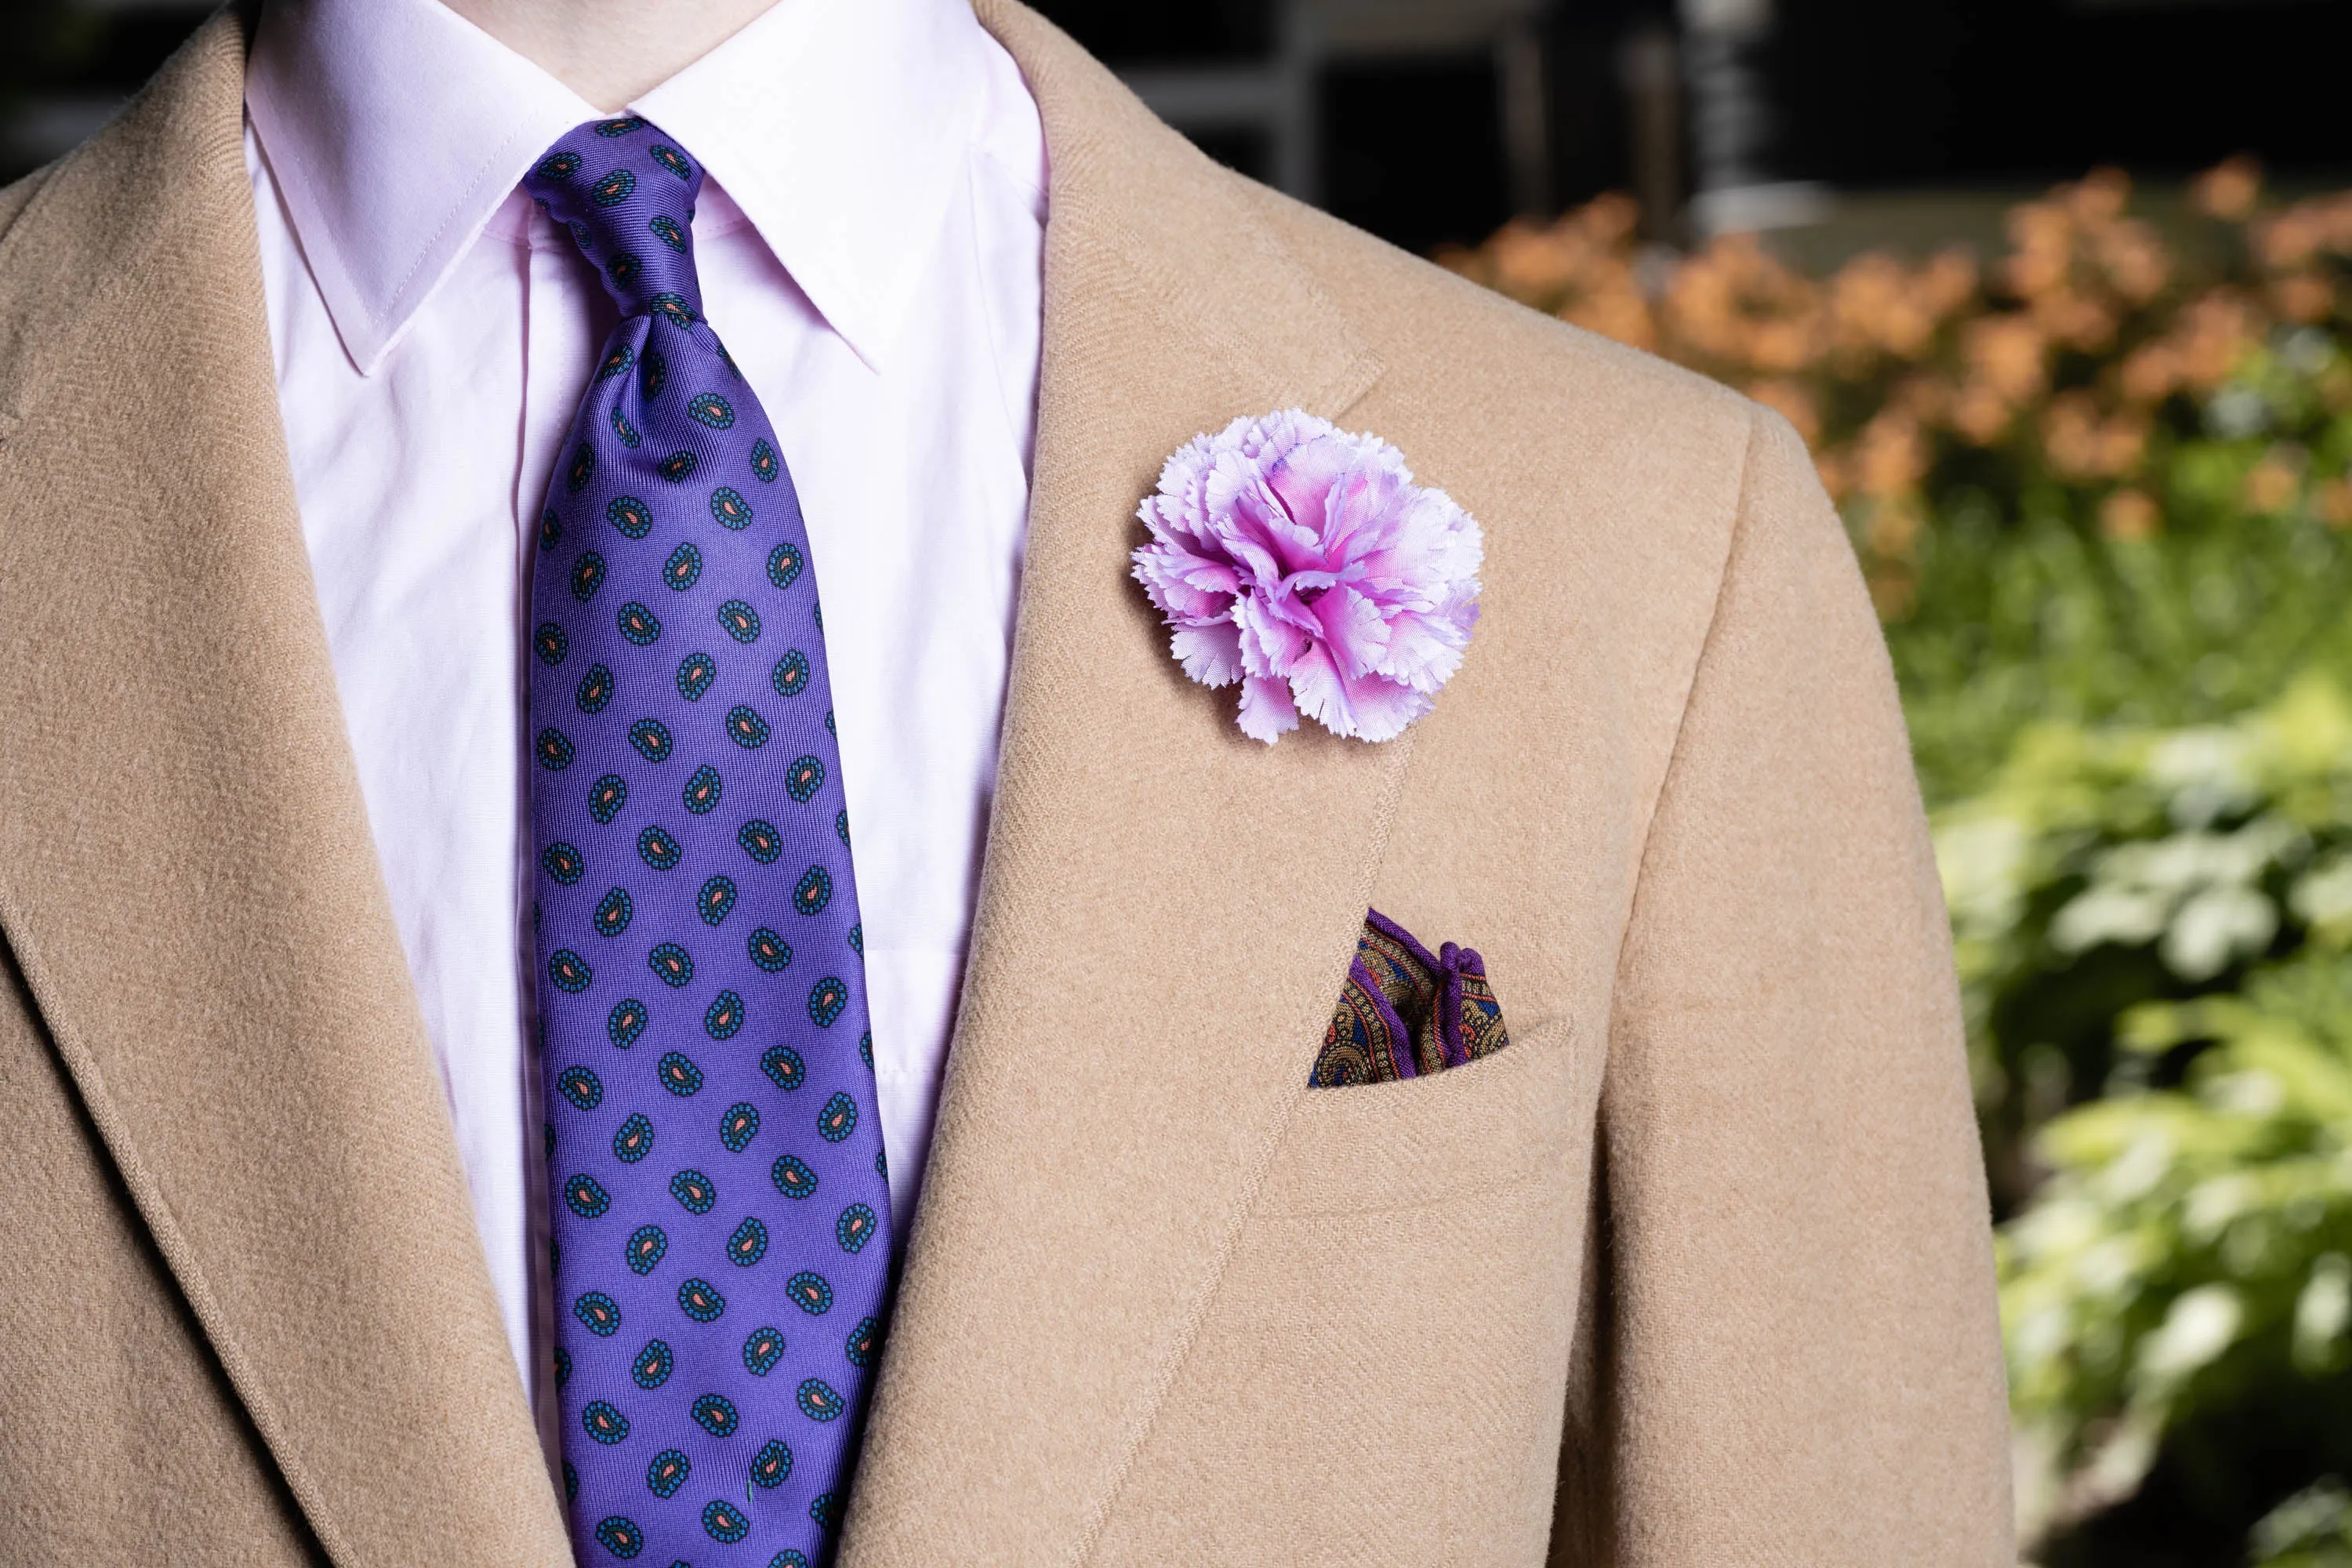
{"x":2196,"y":894}
{"x":1981,"y":862}
{"x":2323,"y":896}
{"x":2322,"y":1311}
{"x":2206,"y":773}
{"x":2198,"y":1328}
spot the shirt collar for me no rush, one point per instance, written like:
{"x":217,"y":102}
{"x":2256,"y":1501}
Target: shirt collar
{"x":395,"y":129}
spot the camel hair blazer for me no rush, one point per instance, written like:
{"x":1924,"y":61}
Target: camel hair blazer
{"x":1696,"y":1272}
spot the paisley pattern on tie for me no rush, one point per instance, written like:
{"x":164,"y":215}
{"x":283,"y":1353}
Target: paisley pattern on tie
{"x":721,"y":1247}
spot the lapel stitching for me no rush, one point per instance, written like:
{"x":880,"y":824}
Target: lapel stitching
{"x":1261,"y":1166}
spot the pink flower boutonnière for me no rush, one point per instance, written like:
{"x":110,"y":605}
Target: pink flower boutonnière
{"x":1303,"y":561}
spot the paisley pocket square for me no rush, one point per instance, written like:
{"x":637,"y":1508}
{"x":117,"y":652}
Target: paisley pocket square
{"x":1406,"y":1012}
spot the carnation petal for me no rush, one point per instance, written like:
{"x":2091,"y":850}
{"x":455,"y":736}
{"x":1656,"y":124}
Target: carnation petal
{"x":1425,"y":650}
{"x":1271,"y":642}
{"x":1181,"y":585}
{"x":1382,"y":708}
{"x":1306,"y":477}
{"x":1266,"y":708}
{"x":1211,"y":655}
{"x":1353,"y":630}
{"x":1315,"y":686}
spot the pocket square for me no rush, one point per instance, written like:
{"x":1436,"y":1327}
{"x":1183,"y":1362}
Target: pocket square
{"x":1406,"y":1012}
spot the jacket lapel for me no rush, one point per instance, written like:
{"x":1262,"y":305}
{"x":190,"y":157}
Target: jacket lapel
{"x":187,"y":879}
{"x":1167,"y":908}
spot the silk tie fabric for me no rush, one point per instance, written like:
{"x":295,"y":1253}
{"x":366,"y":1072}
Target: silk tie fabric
{"x":718,"y":1189}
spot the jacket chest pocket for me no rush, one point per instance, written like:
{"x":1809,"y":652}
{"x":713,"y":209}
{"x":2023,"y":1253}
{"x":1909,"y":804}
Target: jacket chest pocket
{"x":1378,"y":1378}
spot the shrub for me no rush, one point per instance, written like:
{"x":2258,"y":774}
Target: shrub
{"x":2173,"y":907}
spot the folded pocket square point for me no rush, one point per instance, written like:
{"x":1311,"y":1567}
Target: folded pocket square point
{"x":1405,"y":1012}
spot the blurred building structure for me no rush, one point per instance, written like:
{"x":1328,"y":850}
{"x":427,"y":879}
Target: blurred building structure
{"x":66,"y":66}
{"x":1277,"y":97}
{"x":1739,"y":178}
{"x":1431,"y":122}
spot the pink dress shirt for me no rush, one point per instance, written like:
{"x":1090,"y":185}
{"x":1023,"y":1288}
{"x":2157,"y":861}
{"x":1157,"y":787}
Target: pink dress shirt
{"x":870,"y":244}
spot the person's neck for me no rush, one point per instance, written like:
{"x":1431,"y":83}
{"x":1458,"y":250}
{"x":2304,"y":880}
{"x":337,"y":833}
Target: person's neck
{"x":610,"y":51}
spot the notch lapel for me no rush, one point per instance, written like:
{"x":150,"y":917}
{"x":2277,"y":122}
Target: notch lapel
{"x":1167,"y":908}
{"x":187,"y":879}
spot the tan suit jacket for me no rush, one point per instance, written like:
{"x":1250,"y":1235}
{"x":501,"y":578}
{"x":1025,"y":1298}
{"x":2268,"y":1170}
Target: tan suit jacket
{"x":1695,"y":1272}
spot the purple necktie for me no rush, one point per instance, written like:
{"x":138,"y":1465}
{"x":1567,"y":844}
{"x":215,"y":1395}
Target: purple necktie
{"x":721,"y":1214}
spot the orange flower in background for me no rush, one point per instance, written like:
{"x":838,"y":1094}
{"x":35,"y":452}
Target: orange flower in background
{"x":2082,"y":445}
{"x":2228,"y":191}
{"x":2097,"y":197}
{"x":2075,"y":354}
{"x":2130,"y":515}
{"x":2214,"y":333}
{"x":2152,"y":373}
{"x":1980,"y":414}
{"x":2290,"y":239}
{"x":1927,"y":396}
{"x":1873,"y":309}
{"x":2136,"y":265}
{"x":2304,"y":297}
{"x":2272,"y":484}
{"x":1609,"y":219}
{"x":1948,"y":281}
{"x":2008,"y":357}
{"x":2075,"y":320}
{"x":2332,"y":499}
{"x":2078,"y":264}
{"x":2042,"y":238}
{"x":1737,"y":305}
{"x":1890,"y":456}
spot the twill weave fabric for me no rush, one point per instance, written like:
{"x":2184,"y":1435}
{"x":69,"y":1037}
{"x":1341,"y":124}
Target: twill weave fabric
{"x":718,"y":1189}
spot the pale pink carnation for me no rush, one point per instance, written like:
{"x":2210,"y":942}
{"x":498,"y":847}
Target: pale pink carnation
{"x":1303,"y":561}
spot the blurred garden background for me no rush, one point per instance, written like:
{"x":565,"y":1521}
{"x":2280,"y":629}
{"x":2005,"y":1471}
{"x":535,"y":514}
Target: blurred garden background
{"x":2060,"y":291}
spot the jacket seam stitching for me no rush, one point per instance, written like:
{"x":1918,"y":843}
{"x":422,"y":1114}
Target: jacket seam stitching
{"x":1181,"y":1353}
{"x":1733,"y":536}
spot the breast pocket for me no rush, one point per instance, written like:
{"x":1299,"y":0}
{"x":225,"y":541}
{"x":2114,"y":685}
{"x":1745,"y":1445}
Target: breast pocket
{"x":1378,"y":1377}
{"x":1421,"y":1139}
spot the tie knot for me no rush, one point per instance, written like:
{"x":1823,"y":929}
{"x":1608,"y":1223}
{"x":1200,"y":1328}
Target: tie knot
{"x":626,"y":193}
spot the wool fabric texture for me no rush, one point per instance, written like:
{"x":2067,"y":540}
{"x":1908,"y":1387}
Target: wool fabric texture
{"x":720,"y":1210}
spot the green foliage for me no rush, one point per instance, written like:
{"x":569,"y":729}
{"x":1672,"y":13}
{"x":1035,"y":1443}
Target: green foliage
{"x":2104,"y":868}
{"x":2195,"y":1241}
{"x":2028,"y":611}
{"x":2312,"y":1529}
{"x":2134,"y":727}
{"x":2160,"y":918}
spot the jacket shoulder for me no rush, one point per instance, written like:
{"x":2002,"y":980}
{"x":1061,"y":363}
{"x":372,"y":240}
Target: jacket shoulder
{"x":1418,"y":314}
{"x":1604,"y":478}
{"x":14,"y":198}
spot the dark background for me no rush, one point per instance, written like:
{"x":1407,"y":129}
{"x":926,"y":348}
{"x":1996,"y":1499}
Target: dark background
{"x":1864,"y":95}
